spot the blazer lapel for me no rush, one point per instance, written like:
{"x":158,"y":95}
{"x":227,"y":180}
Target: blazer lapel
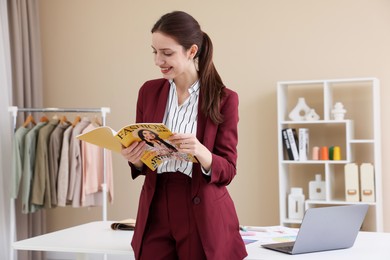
{"x":162,"y":102}
{"x":205,"y":129}
{"x":201,"y":119}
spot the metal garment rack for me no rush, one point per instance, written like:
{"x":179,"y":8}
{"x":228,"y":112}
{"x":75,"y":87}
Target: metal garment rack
{"x":14,"y":110}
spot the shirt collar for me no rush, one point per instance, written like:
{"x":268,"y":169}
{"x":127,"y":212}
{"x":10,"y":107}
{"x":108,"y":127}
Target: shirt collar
{"x":193,"y":89}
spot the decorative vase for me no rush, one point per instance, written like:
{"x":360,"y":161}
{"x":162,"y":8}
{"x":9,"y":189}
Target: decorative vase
{"x":296,"y":201}
{"x":317,"y":188}
{"x":299,"y":112}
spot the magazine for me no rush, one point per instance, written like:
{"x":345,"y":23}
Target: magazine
{"x":155,"y":135}
{"x":126,"y":224}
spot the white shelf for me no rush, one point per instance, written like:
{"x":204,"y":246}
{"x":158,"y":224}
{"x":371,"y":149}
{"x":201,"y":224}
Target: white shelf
{"x":315,"y":162}
{"x":315,"y":122}
{"x":361,"y":141}
{"x":334,"y":202}
{"x":358,"y":135}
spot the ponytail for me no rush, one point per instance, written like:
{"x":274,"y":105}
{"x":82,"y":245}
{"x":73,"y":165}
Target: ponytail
{"x":210,"y":81}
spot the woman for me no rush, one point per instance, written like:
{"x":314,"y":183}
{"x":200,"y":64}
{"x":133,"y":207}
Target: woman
{"x":185,"y":210}
{"x":153,"y":140}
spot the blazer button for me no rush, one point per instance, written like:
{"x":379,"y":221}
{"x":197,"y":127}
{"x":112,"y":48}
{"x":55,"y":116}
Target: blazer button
{"x":196,"y":200}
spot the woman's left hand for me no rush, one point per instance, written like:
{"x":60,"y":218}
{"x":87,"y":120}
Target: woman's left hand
{"x":188,"y":143}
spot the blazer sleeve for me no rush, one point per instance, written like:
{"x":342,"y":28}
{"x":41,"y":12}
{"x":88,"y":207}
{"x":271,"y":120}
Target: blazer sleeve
{"x":135,"y":172}
{"x":150,"y":108}
{"x":224,"y":150}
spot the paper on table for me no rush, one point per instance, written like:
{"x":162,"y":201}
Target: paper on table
{"x":126,"y":224}
{"x":272,"y":234}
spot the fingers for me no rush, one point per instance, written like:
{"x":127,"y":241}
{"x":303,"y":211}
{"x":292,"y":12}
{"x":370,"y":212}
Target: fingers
{"x":181,"y":140}
{"x":186,"y":143}
{"x":134,"y":152}
{"x":181,"y":144}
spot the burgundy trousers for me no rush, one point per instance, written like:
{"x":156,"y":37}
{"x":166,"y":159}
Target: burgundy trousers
{"x":171,"y":231}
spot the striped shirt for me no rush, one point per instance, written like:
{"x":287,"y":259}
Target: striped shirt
{"x":181,"y":119}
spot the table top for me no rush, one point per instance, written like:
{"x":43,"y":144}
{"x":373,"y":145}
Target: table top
{"x":94,"y":237}
{"x":98,"y":237}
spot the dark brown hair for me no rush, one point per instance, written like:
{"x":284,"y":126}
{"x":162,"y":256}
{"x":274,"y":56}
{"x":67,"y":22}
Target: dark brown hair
{"x":186,"y":31}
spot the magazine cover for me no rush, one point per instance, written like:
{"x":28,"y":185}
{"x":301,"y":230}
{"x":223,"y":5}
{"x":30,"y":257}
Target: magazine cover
{"x":155,"y":135}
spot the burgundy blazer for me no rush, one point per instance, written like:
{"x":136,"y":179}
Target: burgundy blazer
{"x":213,"y":207}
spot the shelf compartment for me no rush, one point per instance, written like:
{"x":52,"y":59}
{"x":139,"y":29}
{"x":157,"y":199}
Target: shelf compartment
{"x":327,"y":134}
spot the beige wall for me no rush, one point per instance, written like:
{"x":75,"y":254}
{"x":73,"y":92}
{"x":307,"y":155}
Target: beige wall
{"x":97,"y":53}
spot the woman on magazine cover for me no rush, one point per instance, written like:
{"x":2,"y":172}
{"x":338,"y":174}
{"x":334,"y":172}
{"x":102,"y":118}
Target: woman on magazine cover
{"x":153,"y":140}
{"x":185,"y":210}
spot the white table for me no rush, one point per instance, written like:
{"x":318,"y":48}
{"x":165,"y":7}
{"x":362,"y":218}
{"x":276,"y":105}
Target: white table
{"x":98,"y":238}
{"x":91,"y":238}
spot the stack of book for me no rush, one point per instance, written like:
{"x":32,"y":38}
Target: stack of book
{"x":296,"y":145}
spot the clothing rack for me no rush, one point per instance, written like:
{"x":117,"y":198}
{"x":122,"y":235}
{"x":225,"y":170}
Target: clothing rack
{"x":14,"y":110}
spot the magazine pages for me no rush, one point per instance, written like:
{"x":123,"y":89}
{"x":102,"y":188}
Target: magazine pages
{"x":155,"y":135}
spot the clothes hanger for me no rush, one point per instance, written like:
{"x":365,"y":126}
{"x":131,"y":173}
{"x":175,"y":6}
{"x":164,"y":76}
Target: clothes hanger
{"x":44,"y":119}
{"x":96,"y":121}
{"x":76,"y":120}
{"x":64,"y":120}
{"x":29,"y":119}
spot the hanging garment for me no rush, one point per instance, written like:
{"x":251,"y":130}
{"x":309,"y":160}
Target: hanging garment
{"x":30,"y":143}
{"x":17,"y":160}
{"x":75,"y":164}
{"x":55,"y":144}
{"x":93,"y":172}
{"x":63,"y":169}
{"x":41,"y":182}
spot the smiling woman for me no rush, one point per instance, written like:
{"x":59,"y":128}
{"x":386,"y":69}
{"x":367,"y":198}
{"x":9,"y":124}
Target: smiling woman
{"x":186,"y":200}
{"x":166,"y":53}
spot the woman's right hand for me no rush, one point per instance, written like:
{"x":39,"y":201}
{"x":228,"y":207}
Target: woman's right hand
{"x":133,"y":153}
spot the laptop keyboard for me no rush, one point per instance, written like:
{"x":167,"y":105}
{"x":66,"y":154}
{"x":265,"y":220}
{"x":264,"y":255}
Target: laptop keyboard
{"x":285,"y":248}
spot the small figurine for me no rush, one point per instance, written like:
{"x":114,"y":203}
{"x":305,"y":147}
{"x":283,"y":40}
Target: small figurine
{"x":299,"y":112}
{"x":312,"y":115}
{"x":338,"y":111}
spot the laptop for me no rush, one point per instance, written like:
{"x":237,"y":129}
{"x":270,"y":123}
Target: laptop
{"x":325,"y":228}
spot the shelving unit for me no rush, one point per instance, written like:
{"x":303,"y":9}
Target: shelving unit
{"x":358,"y":136}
